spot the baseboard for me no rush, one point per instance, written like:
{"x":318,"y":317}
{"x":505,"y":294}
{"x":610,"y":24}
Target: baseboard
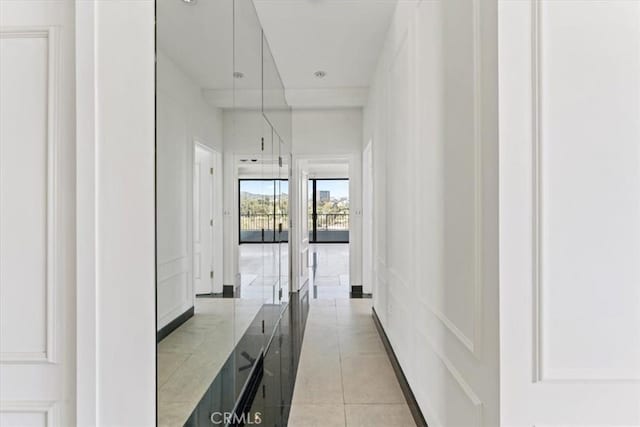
{"x":402,"y":379}
{"x":357,"y":292}
{"x":173,"y":325}
{"x":228,"y":291}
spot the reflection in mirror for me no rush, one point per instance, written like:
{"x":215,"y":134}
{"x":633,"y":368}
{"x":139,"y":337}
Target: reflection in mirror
{"x":223,"y":144}
{"x":196,"y":331}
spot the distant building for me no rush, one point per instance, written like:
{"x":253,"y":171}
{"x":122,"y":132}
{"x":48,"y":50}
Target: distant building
{"x":325,"y":196}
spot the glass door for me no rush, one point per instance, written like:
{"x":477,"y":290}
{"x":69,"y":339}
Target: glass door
{"x":329,"y":210}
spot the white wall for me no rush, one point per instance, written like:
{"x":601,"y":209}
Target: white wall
{"x":432,"y":117}
{"x":570,"y":213}
{"x":182,"y":118}
{"x":327,"y":132}
{"x":115,"y":213}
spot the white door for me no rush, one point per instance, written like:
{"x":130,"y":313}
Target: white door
{"x":304,"y":228}
{"x":367,"y":219}
{"x":37,"y":203}
{"x":203,"y":220}
{"x":570,"y":213}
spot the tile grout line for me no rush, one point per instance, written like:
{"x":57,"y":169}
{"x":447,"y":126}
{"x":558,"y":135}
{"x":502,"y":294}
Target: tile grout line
{"x":344,"y":402}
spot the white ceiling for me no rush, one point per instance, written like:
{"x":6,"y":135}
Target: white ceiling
{"x":198,"y":38}
{"x":344,"y":38}
{"x":341,"y":37}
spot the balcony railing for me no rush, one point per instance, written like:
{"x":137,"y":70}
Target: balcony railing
{"x":330,"y":222}
{"x":257,"y":222}
{"x":261,"y":227}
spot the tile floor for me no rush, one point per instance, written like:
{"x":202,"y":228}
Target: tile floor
{"x":332,"y":271}
{"x":345,"y":377}
{"x":259,"y":269}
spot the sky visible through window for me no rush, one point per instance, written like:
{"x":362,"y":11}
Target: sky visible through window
{"x":338,"y":189}
{"x":263,"y":188}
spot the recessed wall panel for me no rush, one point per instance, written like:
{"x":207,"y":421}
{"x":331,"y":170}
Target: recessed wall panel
{"x":587,"y":179}
{"x":24,"y":181}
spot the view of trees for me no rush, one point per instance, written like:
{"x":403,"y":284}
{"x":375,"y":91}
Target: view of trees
{"x":257,"y":210}
{"x":259,"y":204}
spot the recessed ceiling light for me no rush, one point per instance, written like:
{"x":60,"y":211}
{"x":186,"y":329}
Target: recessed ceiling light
{"x":320,"y":74}
{"x":190,"y":2}
{"x":238,"y":74}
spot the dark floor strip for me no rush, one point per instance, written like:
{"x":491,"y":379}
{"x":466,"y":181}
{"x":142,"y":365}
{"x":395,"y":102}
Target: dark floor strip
{"x":173,"y":325}
{"x":402,"y":379}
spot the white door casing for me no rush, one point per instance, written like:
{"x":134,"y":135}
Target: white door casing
{"x":303,"y":238}
{"x":203,"y":219}
{"x":37,"y":191}
{"x":367,"y":219}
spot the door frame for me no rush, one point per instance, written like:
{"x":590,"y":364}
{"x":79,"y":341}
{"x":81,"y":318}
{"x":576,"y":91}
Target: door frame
{"x":199,"y":145}
{"x":354,"y":160}
{"x":216,"y":214}
{"x":367,"y":217}
{"x":314,"y":192}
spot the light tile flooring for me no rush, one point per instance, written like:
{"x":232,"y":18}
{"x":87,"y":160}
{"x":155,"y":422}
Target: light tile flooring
{"x":191,"y":356}
{"x":345,"y":377}
{"x":332,"y":270}
{"x":259,"y":269}
{"x":260,"y":265}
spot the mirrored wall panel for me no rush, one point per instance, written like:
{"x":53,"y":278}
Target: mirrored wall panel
{"x":223,"y":150}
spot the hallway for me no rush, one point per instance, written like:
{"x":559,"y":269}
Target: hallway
{"x":345,"y":377}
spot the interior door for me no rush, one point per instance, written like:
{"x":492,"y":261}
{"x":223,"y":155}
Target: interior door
{"x":203,"y":220}
{"x":37,"y":193}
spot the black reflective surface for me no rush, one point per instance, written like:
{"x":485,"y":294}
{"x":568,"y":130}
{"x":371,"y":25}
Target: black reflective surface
{"x":257,"y":379}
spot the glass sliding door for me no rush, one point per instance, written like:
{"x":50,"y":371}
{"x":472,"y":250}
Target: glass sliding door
{"x":264,"y":215}
{"x":329,"y":210}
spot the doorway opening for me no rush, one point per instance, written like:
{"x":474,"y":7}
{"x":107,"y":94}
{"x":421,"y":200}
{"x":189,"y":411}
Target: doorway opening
{"x":328,"y":207}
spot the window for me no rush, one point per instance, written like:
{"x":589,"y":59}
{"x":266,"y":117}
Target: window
{"x":264,"y":207}
{"x":329,"y":210}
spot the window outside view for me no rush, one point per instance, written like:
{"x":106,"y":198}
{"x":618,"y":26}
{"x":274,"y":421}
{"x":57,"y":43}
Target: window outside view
{"x":329,"y":216}
{"x":264,"y":204}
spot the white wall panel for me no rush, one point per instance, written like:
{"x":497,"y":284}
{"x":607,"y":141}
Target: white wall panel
{"x":400,"y":184}
{"x":570,"y":212}
{"x":587,"y":179}
{"x":37,"y":201}
{"x":26,"y":198}
{"x":432,"y":117}
{"x":23,"y":419}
